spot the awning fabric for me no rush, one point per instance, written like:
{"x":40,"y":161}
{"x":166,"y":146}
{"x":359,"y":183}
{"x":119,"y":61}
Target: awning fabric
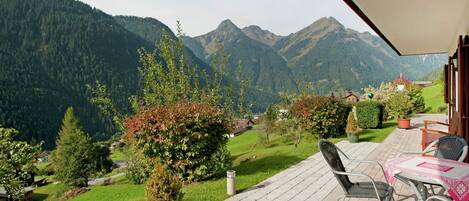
{"x":416,"y":26}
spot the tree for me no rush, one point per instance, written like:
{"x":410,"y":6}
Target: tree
{"x":270,"y":118}
{"x":16,"y":162}
{"x":73,"y":159}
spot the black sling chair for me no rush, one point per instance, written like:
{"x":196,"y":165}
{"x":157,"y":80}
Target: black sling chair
{"x":372,"y":189}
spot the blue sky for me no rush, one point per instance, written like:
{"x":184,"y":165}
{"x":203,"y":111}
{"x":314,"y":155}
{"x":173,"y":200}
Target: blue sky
{"x":201,"y":16}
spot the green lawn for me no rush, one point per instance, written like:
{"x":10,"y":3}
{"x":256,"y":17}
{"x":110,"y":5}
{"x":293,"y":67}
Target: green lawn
{"x":117,"y":155}
{"x":434,"y":98}
{"x":252,"y":161}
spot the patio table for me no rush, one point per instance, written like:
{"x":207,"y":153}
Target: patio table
{"x":452,"y":175}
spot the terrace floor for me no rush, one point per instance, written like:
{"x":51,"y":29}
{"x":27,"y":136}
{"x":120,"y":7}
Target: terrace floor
{"x":312,"y":179}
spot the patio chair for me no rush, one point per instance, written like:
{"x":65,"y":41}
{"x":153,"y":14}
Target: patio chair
{"x":448,"y":147}
{"x":372,"y":189}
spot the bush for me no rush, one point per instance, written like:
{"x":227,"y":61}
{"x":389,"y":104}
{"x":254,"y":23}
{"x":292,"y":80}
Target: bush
{"x":17,"y":160}
{"x":351,"y":124}
{"x":418,"y":102}
{"x":324,"y":116}
{"x":400,"y":106}
{"x":370,"y":114}
{"x":101,"y":161}
{"x":163,"y":186}
{"x":185,"y":136}
{"x":138,"y":168}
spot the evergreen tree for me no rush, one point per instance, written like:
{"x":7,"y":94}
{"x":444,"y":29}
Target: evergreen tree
{"x":73,"y":159}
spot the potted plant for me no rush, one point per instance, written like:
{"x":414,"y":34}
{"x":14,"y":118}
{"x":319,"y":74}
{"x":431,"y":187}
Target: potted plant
{"x":352,"y":129}
{"x":400,"y":107}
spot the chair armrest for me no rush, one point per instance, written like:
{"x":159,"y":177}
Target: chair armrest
{"x":439,"y":197}
{"x":428,"y":122}
{"x":360,"y":175}
{"x":433,"y":131}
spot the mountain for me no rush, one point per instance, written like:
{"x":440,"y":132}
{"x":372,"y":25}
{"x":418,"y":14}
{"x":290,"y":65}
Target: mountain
{"x":326,"y":50}
{"x":325,"y":53}
{"x":151,"y":30}
{"x":264,"y":36}
{"x":262,"y":65}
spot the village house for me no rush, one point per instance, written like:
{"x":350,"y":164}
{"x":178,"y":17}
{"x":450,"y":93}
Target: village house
{"x":242,"y":125}
{"x":351,"y":97}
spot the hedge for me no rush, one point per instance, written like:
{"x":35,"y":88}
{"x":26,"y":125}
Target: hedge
{"x":320,"y":115}
{"x":370,"y":114}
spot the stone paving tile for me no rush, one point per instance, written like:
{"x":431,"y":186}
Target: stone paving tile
{"x":311,"y":179}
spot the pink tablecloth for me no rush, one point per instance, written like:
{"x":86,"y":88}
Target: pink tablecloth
{"x":453,"y":175}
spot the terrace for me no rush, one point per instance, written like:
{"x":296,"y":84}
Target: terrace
{"x":312,"y":179}
{"x":410,"y":28}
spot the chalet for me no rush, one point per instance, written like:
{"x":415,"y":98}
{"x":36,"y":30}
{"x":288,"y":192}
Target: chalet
{"x":351,"y":97}
{"x":242,"y":125}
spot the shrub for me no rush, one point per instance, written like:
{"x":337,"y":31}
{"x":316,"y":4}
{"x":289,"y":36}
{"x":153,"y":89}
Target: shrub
{"x":163,"y":186}
{"x":185,"y":136}
{"x":138,"y":168}
{"x":324,"y":116}
{"x":400,"y":106}
{"x":100,"y":155}
{"x":17,"y":160}
{"x":351,"y":124}
{"x":370,"y":114}
{"x":418,"y":102}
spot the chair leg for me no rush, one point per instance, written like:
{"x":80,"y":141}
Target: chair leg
{"x":341,"y":198}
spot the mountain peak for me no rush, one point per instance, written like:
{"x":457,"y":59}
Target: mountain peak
{"x":227,"y":25}
{"x":328,"y":20}
{"x":257,"y":33}
{"x":329,"y":23}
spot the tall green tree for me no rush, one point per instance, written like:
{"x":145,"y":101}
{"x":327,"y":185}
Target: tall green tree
{"x":16,"y":162}
{"x":73,"y":159}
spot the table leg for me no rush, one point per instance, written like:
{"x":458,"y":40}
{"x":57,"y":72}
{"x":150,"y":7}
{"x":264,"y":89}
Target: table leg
{"x":419,"y":189}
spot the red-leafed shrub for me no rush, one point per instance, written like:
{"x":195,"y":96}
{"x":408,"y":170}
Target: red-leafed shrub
{"x":320,"y":115}
{"x":188,"y":137}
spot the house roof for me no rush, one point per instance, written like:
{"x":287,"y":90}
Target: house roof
{"x":416,"y":26}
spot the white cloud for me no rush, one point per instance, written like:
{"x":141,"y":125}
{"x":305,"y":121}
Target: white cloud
{"x":201,"y":16}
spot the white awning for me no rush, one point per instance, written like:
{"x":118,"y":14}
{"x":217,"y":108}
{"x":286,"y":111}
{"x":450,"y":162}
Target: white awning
{"x":416,"y":26}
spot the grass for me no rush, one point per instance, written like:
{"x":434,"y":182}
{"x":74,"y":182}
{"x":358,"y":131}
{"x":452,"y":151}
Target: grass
{"x":434,"y":98}
{"x":252,"y":161}
{"x":51,"y":192}
{"x":117,"y":155}
{"x":121,"y":189}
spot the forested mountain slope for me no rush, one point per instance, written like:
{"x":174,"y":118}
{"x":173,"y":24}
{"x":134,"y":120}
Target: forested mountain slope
{"x":50,"y":50}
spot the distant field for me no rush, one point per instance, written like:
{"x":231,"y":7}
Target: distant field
{"x":434,"y":98}
{"x":253,"y":162}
